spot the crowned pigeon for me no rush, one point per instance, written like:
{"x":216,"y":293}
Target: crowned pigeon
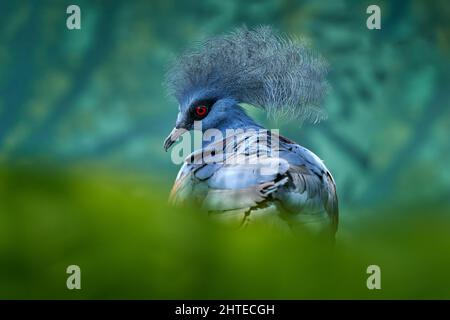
{"x":247,"y":173}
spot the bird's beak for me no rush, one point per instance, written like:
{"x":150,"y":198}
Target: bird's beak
{"x":173,"y":136}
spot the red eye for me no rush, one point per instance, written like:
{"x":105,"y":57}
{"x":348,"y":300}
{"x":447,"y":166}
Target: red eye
{"x":201,"y":111}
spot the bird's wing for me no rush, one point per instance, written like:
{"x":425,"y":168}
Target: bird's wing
{"x":230,"y":192}
{"x":235,"y":187}
{"x":310,"y":195}
{"x":291,"y":186}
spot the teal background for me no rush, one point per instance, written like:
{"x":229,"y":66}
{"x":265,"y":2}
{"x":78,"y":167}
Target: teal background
{"x":84,"y":177}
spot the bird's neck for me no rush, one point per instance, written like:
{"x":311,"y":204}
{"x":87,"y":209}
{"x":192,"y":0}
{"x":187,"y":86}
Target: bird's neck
{"x":237,"y":120}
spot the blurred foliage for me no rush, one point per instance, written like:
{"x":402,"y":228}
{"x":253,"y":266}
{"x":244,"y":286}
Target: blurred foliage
{"x":129,"y":244}
{"x":92,"y":99}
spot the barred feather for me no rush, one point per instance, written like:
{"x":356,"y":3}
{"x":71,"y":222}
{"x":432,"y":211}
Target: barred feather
{"x":279,"y":74}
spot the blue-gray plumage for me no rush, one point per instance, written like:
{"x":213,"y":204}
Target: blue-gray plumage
{"x":280,"y":75}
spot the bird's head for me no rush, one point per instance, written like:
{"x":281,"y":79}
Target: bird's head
{"x":257,"y":67}
{"x":209,"y":110}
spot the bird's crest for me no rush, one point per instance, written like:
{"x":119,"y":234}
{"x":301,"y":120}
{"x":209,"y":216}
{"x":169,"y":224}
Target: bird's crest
{"x":279,"y":74}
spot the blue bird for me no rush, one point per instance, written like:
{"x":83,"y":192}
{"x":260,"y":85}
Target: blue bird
{"x":253,"y":174}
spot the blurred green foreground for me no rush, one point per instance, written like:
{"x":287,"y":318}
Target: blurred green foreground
{"x":130,"y":244}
